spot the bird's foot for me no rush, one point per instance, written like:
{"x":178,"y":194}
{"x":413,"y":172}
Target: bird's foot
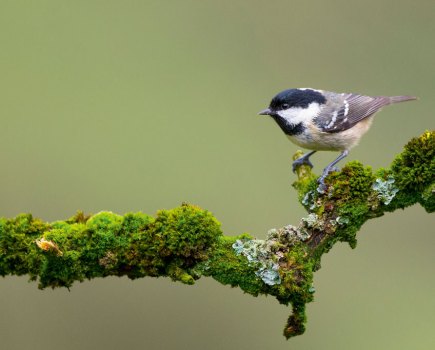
{"x":301,"y":161}
{"x":322,"y":187}
{"x":328,"y":169}
{"x":321,"y":180}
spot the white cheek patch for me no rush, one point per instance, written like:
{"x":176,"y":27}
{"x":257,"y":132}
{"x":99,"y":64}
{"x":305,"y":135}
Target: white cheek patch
{"x":296,"y":115}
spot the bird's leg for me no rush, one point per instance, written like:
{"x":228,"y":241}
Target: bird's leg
{"x":305,"y":159}
{"x":328,"y":169}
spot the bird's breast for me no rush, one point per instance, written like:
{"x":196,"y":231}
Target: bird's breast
{"x":315,"y":139}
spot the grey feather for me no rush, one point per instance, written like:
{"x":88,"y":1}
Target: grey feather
{"x":343,"y":111}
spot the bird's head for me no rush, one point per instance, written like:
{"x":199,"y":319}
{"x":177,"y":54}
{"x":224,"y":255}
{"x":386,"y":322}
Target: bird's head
{"x":289,"y":103}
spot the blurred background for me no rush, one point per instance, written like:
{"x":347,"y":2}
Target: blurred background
{"x":141,"y":105}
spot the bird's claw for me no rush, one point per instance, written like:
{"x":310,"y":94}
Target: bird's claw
{"x":321,"y":180}
{"x":322,"y":187}
{"x":301,"y":161}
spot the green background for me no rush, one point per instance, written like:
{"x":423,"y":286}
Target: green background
{"x":141,"y":105}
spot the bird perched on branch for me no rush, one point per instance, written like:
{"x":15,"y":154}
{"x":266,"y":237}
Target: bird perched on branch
{"x":325,"y":121}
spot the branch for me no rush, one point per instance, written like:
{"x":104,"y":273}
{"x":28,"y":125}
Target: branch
{"x":186,"y":243}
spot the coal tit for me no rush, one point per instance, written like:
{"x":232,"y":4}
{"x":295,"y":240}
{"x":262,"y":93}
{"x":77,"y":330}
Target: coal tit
{"x":325,"y":121}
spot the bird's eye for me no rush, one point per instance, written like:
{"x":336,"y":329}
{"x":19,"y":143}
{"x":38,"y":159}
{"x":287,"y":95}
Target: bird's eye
{"x":285,"y":106}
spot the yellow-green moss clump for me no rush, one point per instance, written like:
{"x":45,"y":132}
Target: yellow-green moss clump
{"x":414,"y":171}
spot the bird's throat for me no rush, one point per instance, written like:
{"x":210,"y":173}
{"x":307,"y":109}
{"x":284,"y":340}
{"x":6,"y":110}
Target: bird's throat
{"x":288,"y":128}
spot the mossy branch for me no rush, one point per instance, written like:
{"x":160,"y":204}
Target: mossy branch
{"x":186,"y":243}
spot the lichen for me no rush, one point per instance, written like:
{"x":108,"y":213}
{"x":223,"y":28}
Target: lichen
{"x":229,"y":268}
{"x":262,"y":254}
{"x":269,"y":273}
{"x":341,"y":220}
{"x":288,"y":235}
{"x":283,"y":263}
{"x":268,"y":254}
{"x":309,"y":200}
{"x":312,"y":220}
{"x":386,"y":189}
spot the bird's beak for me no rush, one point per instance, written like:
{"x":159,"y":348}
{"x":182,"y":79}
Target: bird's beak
{"x":266,"y":111}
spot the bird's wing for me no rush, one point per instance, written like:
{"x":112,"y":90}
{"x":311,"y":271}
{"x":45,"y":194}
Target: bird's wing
{"x":343,"y":111}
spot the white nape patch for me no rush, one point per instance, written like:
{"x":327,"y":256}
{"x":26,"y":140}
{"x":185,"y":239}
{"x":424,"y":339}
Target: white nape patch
{"x":346,"y":107}
{"x":296,"y":115}
{"x":334,"y":118}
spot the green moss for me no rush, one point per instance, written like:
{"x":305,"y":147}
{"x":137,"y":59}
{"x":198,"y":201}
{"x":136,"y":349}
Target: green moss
{"x":228,"y":268}
{"x":295,"y":269}
{"x":80,"y":217}
{"x":297,"y":276}
{"x":353,"y":196}
{"x":173,"y":243}
{"x":178,"y":274}
{"x":296,"y":287}
{"x":355,"y":215}
{"x":427,"y":199}
{"x":339,"y":213}
{"x":296,"y":322}
{"x":105,"y":244}
{"x":186,"y":231}
{"x":414,"y":168}
{"x":61,"y":271}
{"x":352,"y":183}
{"x":135,"y":222}
{"x":105,"y":222}
{"x":414,"y":171}
{"x":17,"y":244}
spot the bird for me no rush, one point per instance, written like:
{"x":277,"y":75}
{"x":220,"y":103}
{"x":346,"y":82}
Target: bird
{"x":320,"y":120}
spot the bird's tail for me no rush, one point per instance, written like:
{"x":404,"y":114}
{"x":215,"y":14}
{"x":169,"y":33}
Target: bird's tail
{"x":397,"y":99}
